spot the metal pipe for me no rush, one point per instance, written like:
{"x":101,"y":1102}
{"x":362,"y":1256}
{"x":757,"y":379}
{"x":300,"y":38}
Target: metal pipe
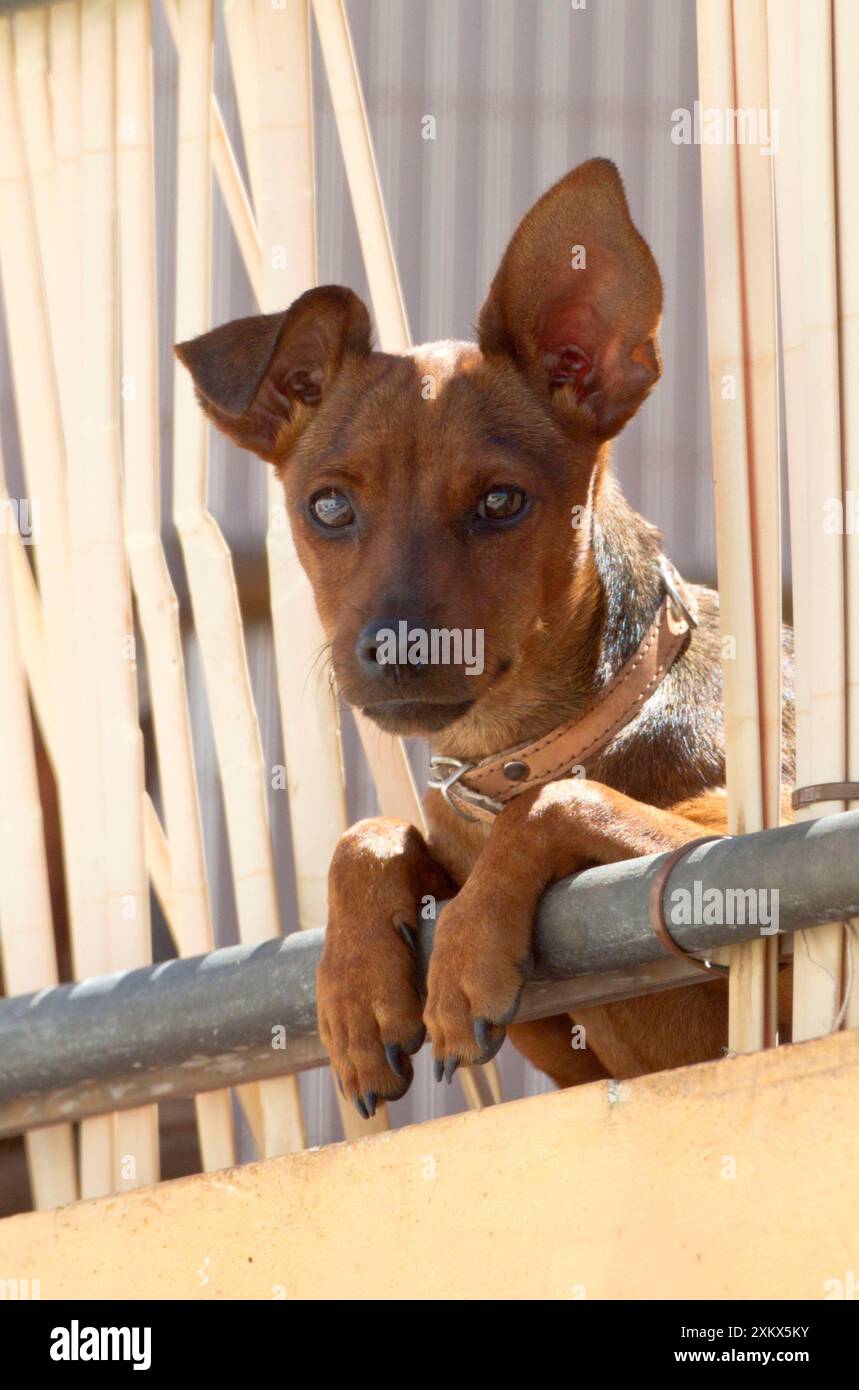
{"x":248,"y":1012}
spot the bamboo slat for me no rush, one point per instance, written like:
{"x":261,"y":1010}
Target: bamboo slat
{"x":273,"y":1108}
{"x":754,"y":1003}
{"x":42,"y":445}
{"x":386,"y":756}
{"x":308,"y":706}
{"x":95,"y":514}
{"x":157,"y":605}
{"x":33,"y":644}
{"x":801,"y":88}
{"x":743,"y":406}
{"x":229,"y":178}
{"x":51,"y":1158}
{"x":26,"y":921}
{"x":845,"y":49}
{"x":240,"y":25}
{"x":363,"y":177}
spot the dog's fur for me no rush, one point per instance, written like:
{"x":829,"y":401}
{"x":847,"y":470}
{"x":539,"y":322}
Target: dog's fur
{"x":564,"y":358}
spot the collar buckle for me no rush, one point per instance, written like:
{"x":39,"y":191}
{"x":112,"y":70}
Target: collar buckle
{"x":682,"y":611}
{"x":445,"y":773}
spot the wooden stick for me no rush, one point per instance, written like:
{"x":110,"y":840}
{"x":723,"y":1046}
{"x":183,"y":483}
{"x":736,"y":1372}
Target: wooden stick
{"x":54,"y":179}
{"x":743,"y":404}
{"x":229,"y":178}
{"x":95,"y":514}
{"x":54,"y":184}
{"x":64,"y":36}
{"x":386,"y":756}
{"x":33,"y":644}
{"x":157,"y":605}
{"x":363,"y":176}
{"x":274,"y":1108}
{"x":278,"y":41}
{"x":757,"y":202}
{"x":26,"y":921}
{"x":41,"y":434}
{"x":801,"y":60}
{"x":209,"y":1106}
{"x":782,"y":22}
{"x":754,"y":1007}
{"x":25,"y":913}
{"x":392,"y":773}
{"x":240,"y":25}
{"x":845,"y":46}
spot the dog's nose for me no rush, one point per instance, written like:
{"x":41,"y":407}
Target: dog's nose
{"x":394,"y":644}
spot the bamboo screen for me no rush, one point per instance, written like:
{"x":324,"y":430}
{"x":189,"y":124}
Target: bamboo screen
{"x":781,"y":236}
{"x":91,"y":632}
{"x":80,"y":278}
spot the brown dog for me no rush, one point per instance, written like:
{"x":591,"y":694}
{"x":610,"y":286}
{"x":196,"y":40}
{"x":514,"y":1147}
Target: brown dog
{"x":464,"y":487}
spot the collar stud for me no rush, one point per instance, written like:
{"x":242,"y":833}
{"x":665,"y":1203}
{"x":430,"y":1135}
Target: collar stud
{"x":516,"y":771}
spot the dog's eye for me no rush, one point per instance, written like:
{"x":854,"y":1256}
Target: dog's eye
{"x":332,"y":509}
{"x":501,"y":503}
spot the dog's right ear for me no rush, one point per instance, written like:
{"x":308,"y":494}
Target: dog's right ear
{"x":259,"y":379}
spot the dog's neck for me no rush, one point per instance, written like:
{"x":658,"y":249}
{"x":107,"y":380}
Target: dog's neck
{"x":614,"y":593}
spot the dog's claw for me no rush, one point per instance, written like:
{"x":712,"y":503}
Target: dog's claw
{"x":438,"y":1068}
{"x":339,"y":1085}
{"x":394,"y":1054}
{"x":489,"y":1045}
{"x":370,"y":1103}
{"x":514,"y":1007}
{"x":407,"y":935}
{"x":450,"y":1067}
{"x":361,"y":1108}
{"x":415,"y":1043}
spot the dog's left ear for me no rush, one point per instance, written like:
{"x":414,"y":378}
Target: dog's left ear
{"x":577,"y":301}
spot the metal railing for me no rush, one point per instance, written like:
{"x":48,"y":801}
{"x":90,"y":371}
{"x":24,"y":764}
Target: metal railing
{"x":245,"y":1013}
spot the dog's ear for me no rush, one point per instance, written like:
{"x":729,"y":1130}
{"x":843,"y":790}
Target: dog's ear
{"x":576,"y":303}
{"x":260,"y":378}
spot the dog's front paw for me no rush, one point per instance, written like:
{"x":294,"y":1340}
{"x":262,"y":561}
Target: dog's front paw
{"x":478,"y":968}
{"x":370,"y":1015}
{"x":368,"y":987}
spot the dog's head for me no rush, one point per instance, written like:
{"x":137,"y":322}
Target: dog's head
{"x":440,"y":501}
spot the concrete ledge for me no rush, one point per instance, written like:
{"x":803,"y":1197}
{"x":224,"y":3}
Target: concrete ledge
{"x":608,"y":1191}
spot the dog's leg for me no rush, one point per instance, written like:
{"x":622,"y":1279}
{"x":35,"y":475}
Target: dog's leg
{"x":483,"y":940}
{"x":368,"y":995}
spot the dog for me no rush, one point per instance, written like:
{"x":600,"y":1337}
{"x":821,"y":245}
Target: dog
{"x":466,"y":487}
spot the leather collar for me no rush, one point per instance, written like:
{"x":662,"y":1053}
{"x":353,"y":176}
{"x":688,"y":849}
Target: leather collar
{"x":479,"y":791}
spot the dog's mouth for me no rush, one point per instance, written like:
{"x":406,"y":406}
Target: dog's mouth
{"x":416,"y":716}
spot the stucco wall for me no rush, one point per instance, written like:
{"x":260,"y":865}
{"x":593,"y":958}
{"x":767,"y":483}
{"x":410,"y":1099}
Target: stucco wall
{"x":734,"y":1179}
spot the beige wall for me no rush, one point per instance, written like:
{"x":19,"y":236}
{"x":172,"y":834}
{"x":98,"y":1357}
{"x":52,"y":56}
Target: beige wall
{"x":735,"y":1179}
